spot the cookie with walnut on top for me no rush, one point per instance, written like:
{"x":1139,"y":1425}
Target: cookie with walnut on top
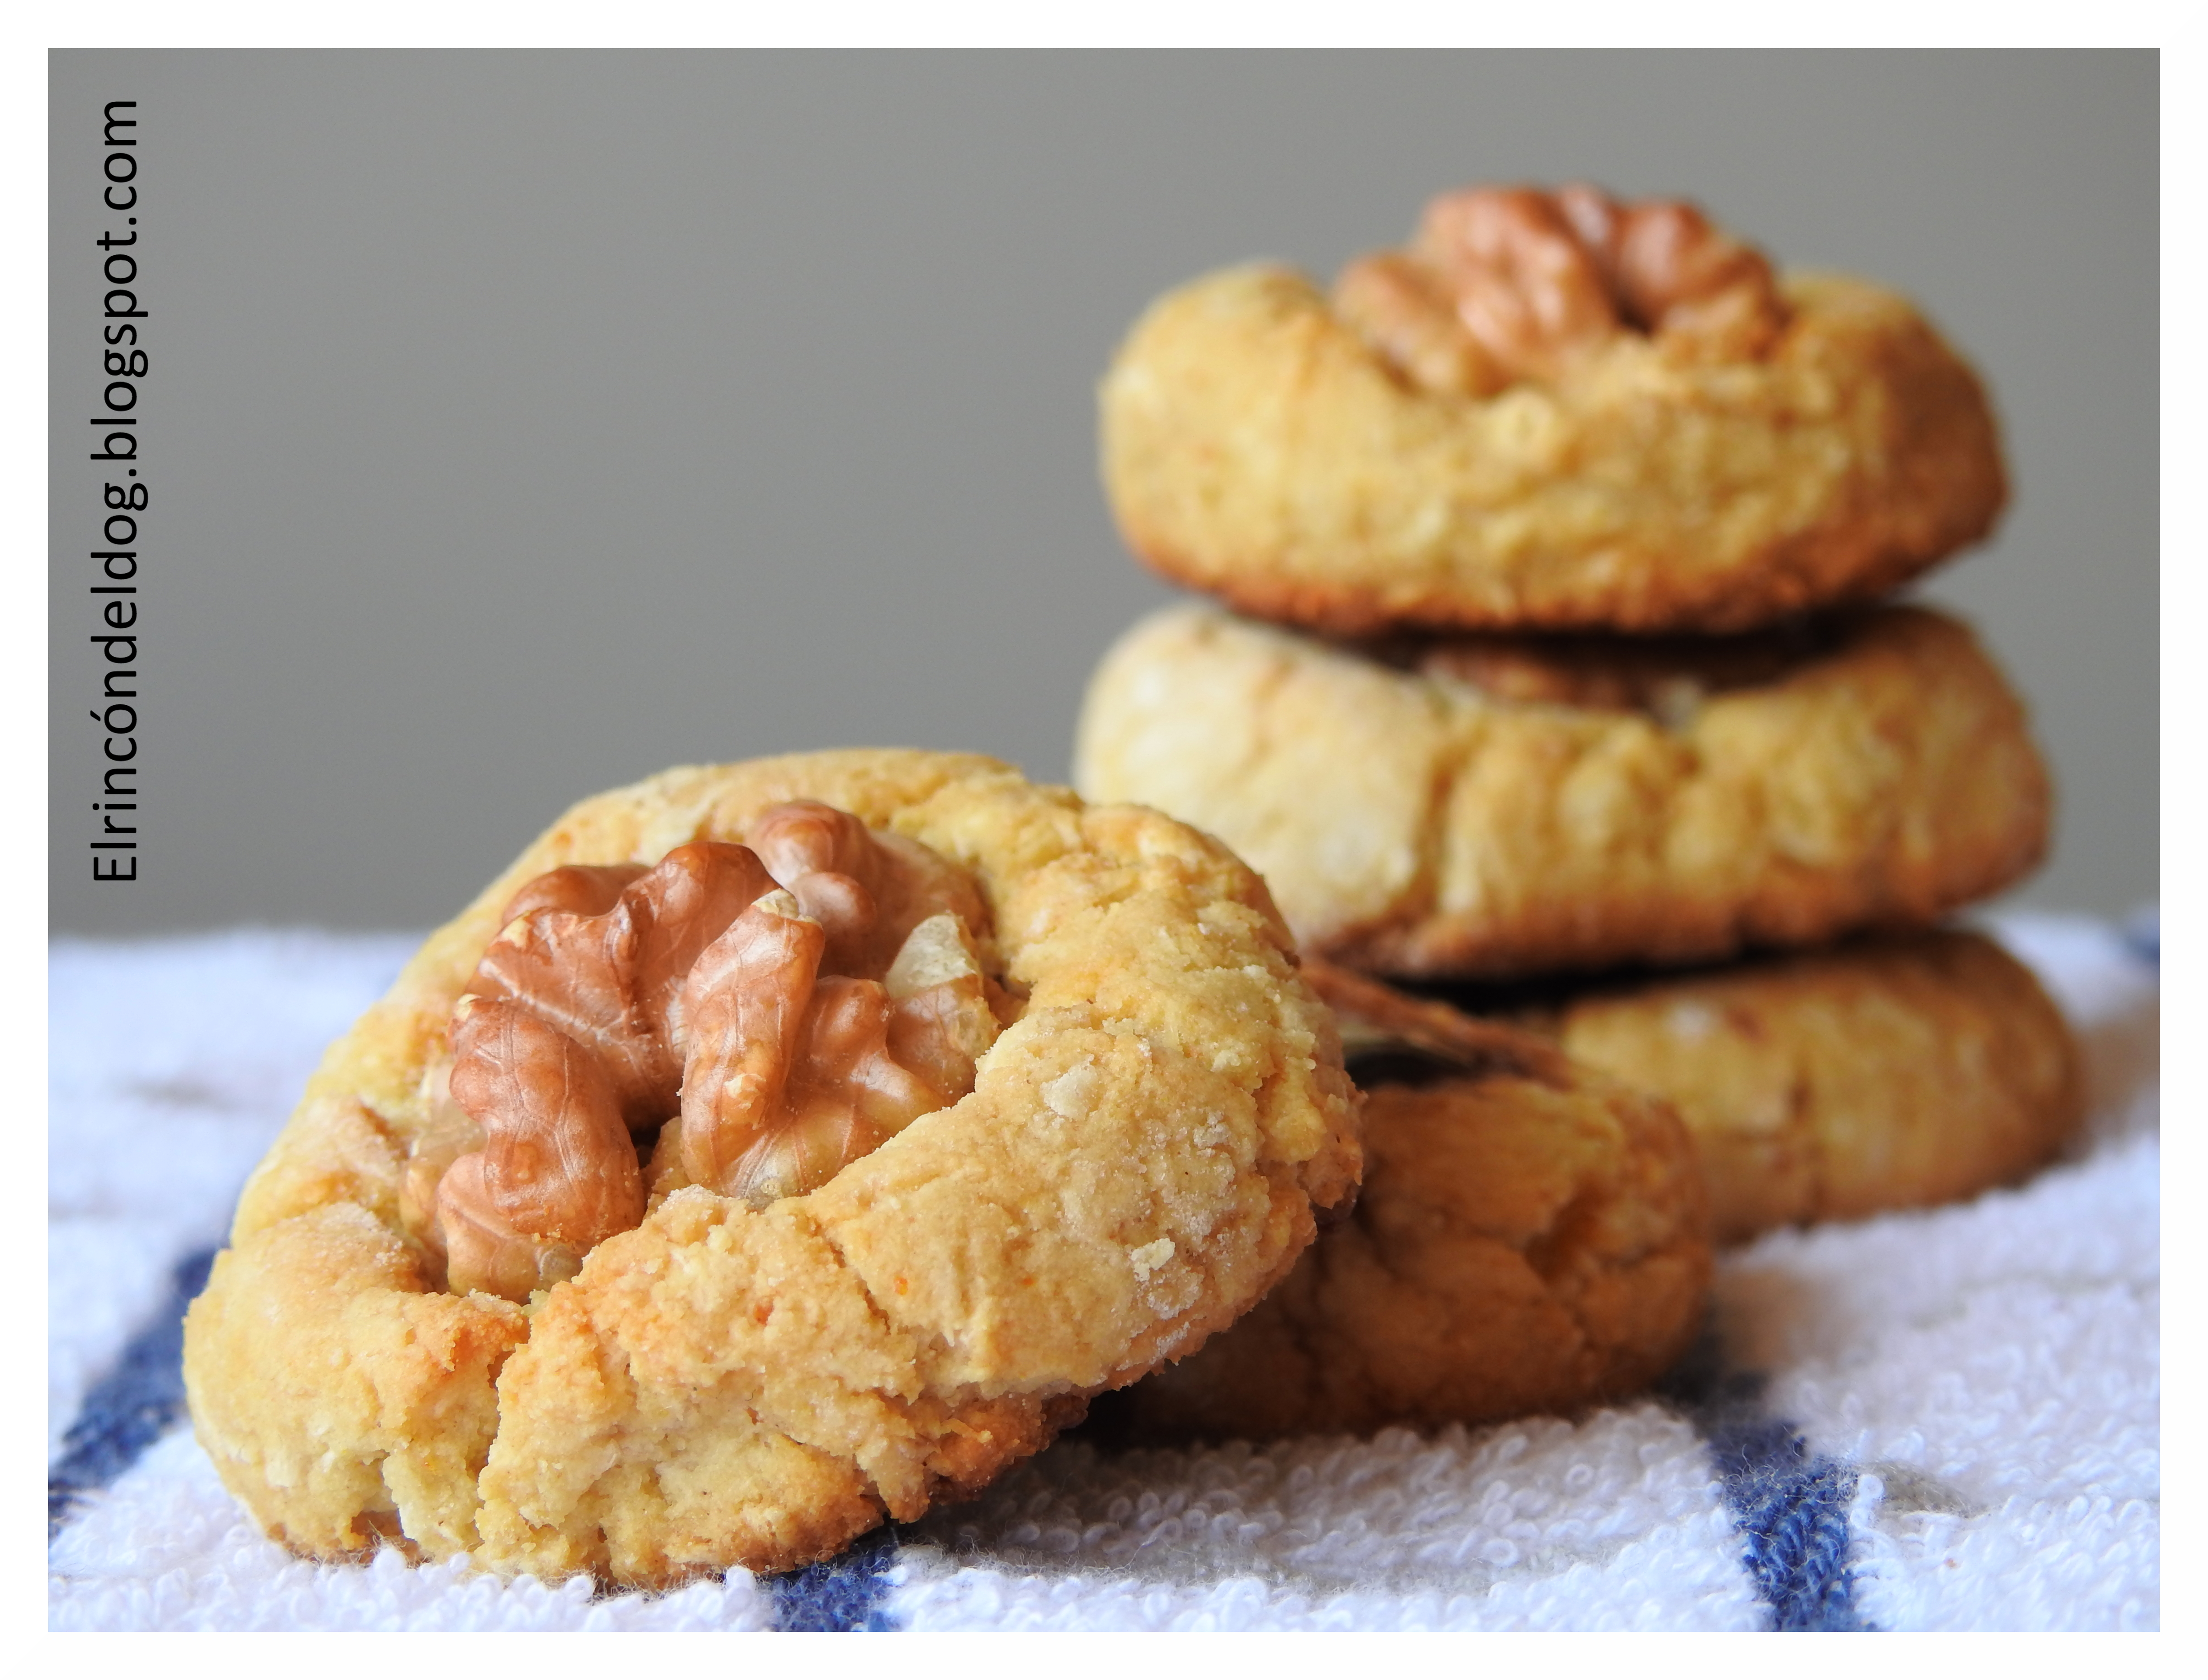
{"x":1551,"y":410}
{"x":775,"y":1149}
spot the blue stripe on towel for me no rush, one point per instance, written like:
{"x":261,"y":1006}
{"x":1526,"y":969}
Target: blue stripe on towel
{"x":842,"y":1595}
{"x":133,"y":1406}
{"x":1793,"y":1510}
{"x":2142,"y":935}
{"x":1789,"y":1508}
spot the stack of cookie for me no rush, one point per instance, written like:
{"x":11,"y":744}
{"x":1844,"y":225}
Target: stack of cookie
{"x":1555,"y":545}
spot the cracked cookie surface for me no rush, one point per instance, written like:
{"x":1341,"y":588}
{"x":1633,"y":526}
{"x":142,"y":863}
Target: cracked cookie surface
{"x":1138,"y":1161}
{"x":1507,"y":805}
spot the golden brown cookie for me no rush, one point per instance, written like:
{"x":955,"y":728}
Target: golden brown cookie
{"x":1552,"y":412}
{"x":1495,"y":806}
{"x":753,"y":1378}
{"x":1896,"y":1072}
{"x":1529,"y":1236}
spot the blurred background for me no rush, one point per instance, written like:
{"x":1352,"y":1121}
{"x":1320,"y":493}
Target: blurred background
{"x":519,"y":424}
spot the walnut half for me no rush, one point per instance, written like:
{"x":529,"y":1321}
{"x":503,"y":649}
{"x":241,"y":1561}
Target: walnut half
{"x":773,"y":1011}
{"x":792,"y":1072}
{"x":1508,"y":283}
{"x":557,"y":1174}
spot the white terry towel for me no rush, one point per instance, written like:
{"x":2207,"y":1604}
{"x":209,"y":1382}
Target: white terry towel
{"x":1938,"y":1419}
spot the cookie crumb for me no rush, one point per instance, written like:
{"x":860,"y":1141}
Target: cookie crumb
{"x":1073,"y":1093}
{"x":1691,"y":1021}
{"x":1149,"y":1256}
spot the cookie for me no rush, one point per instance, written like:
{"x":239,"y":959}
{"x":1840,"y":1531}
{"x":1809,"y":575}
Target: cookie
{"x":1897,"y":1073}
{"x":1553,"y":412}
{"x":785,"y":1348}
{"x":1493,"y":806}
{"x":1530,"y":1237}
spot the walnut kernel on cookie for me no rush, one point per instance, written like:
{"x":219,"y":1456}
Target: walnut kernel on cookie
{"x":830,"y":1309}
{"x":1551,"y":410}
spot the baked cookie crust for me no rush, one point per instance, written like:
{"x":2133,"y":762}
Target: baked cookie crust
{"x":1896,"y":1072}
{"x":1137,"y":1163}
{"x":1411,"y":822}
{"x":1530,"y":1237}
{"x":1256,"y":447}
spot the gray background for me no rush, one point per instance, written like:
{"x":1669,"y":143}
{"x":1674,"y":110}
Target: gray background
{"x":520,"y":425}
